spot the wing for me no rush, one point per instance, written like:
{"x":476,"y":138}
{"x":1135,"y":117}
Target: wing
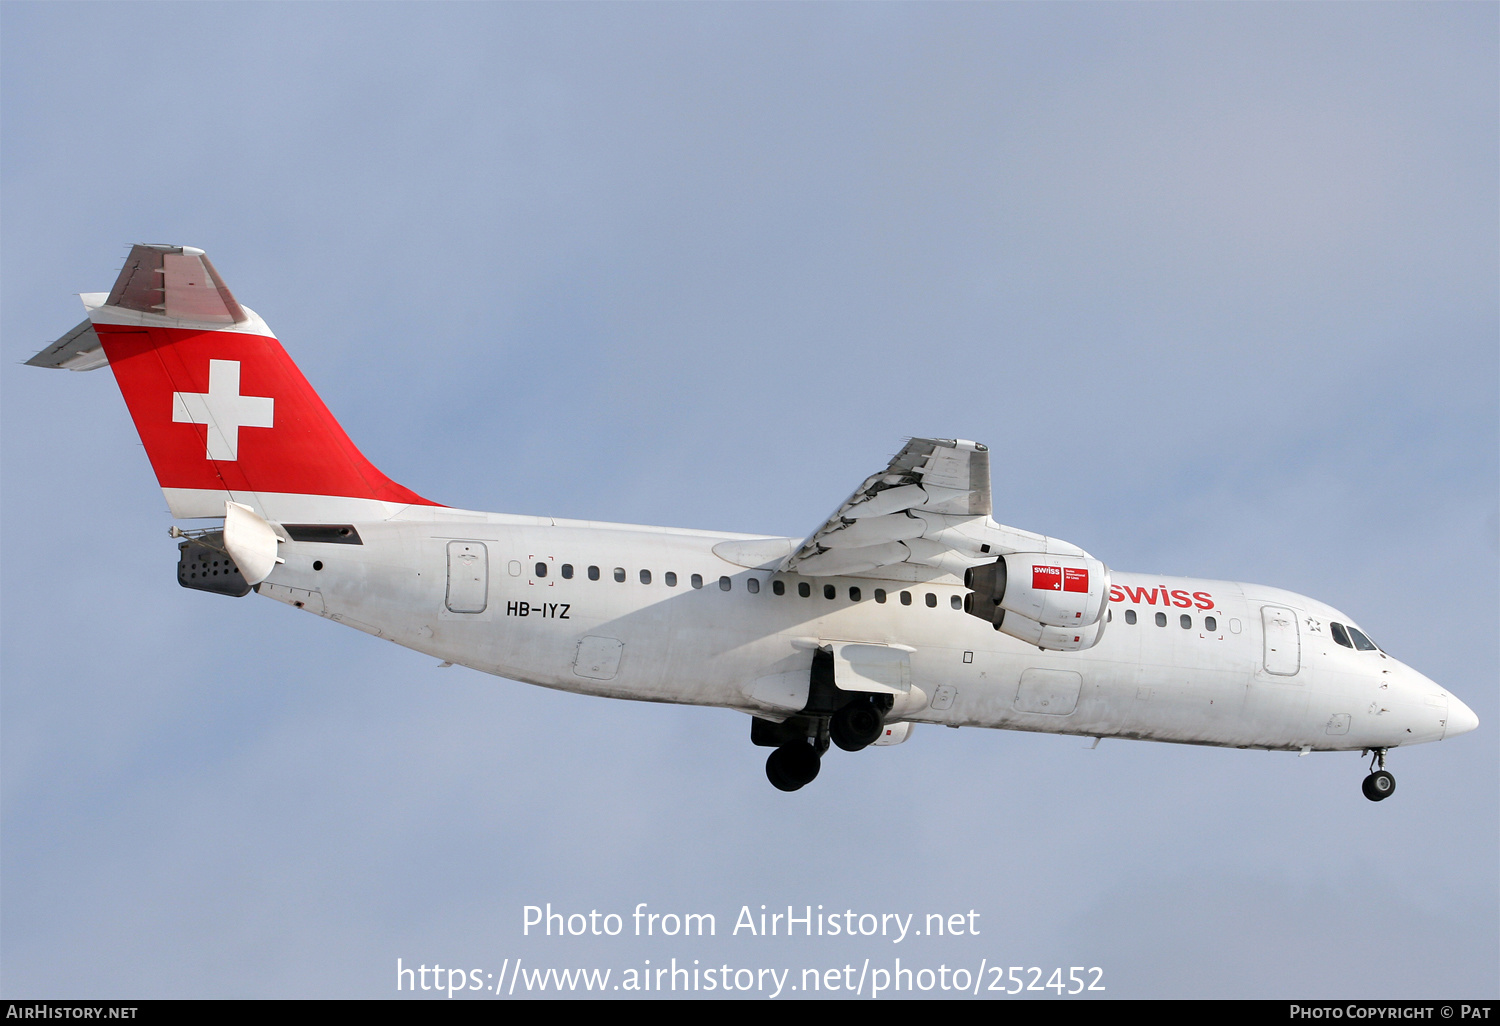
{"x":924,"y":515}
{"x":927,"y":516}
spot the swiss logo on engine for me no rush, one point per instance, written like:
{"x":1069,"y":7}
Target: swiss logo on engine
{"x":1075,"y":580}
{"x":1046,"y":578}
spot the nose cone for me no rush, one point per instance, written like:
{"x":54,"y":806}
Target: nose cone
{"x":1461,"y":718}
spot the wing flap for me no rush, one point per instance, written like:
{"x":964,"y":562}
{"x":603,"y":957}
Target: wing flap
{"x":881,"y":669}
{"x":841,"y":562}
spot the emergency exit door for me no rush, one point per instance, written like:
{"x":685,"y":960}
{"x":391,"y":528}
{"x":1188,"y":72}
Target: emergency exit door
{"x":1283,"y":645}
{"x":468,"y":577}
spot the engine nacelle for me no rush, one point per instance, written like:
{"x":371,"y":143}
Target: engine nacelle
{"x":1057,"y":591}
{"x":894,"y":733}
{"x":1052,"y":601}
{"x":1059,"y":639}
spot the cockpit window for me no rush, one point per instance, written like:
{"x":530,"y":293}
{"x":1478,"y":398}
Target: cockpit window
{"x":1340,"y":635}
{"x":1361,"y":642}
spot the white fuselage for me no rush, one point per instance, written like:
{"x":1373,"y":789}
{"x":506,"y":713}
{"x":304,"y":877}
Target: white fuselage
{"x":465,"y":588}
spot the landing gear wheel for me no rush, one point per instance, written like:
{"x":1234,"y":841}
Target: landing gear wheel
{"x":793,"y":766}
{"x":1379,"y":786}
{"x":857,"y":725}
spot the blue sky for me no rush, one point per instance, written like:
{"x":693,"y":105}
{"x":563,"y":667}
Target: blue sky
{"x":1216,"y":283}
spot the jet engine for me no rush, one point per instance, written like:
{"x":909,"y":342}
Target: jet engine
{"x":1051,"y":601}
{"x":894,"y":733}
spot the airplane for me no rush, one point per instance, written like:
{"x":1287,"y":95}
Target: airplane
{"x":909,"y":605}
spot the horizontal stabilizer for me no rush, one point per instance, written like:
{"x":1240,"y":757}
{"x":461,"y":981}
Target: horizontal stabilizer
{"x":176,"y":282}
{"x":78,"y":350}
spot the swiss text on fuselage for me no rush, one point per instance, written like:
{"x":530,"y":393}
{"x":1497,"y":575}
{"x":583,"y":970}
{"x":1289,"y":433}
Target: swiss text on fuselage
{"x":1161,"y":597}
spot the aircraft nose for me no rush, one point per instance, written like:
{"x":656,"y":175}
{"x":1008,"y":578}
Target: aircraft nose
{"x":1461,"y":718}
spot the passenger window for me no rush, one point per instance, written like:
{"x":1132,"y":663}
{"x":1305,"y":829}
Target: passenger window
{"x":752,"y":585}
{"x":931,"y":600}
{"x":804,"y":589}
{"x":593,"y":573}
{"x":567,"y":571}
{"x":645,"y":576}
{"x":853,"y":594}
{"x":1211,"y":623}
{"x":697,"y":580}
{"x":1186,"y":621}
{"x":906,"y":598}
{"x":1361,"y":642}
{"x":829,"y":591}
{"x":620,"y":574}
{"x":725,"y":584}
{"x":880,"y":595}
{"x":956,"y":602}
{"x":1130,"y":616}
{"x":1340,"y":635}
{"x":541,"y":569}
{"x":778,"y":587}
{"x":1161,"y":619}
{"x":669,"y":579}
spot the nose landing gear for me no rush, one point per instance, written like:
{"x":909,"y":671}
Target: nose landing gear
{"x":1379,"y":785}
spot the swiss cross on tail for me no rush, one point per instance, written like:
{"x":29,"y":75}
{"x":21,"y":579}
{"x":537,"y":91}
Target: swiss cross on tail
{"x":223,"y":412}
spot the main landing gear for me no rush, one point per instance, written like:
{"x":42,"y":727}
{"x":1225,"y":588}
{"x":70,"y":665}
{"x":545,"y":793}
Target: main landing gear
{"x":796,"y":761}
{"x":832,"y":716}
{"x":801,"y":740}
{"x":799,"y":744}
{"x":1379,"y":785}
{"x":857,"y":725}
{"x":793,"y":766}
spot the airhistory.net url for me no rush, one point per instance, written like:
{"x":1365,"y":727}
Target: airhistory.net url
{"x":516,"y":977}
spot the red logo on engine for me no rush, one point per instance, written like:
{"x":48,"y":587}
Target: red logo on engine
{"x":1046,"y":578}
{"x":1075,"y":580}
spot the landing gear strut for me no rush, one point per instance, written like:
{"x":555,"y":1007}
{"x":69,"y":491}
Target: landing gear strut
{"x":1379,"y":785}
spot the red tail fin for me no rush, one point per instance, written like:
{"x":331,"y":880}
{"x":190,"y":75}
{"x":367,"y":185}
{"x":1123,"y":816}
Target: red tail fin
{"x":221,"y":408}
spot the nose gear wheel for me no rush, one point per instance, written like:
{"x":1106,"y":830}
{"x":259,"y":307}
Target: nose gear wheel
{"x":1380,"y":784}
